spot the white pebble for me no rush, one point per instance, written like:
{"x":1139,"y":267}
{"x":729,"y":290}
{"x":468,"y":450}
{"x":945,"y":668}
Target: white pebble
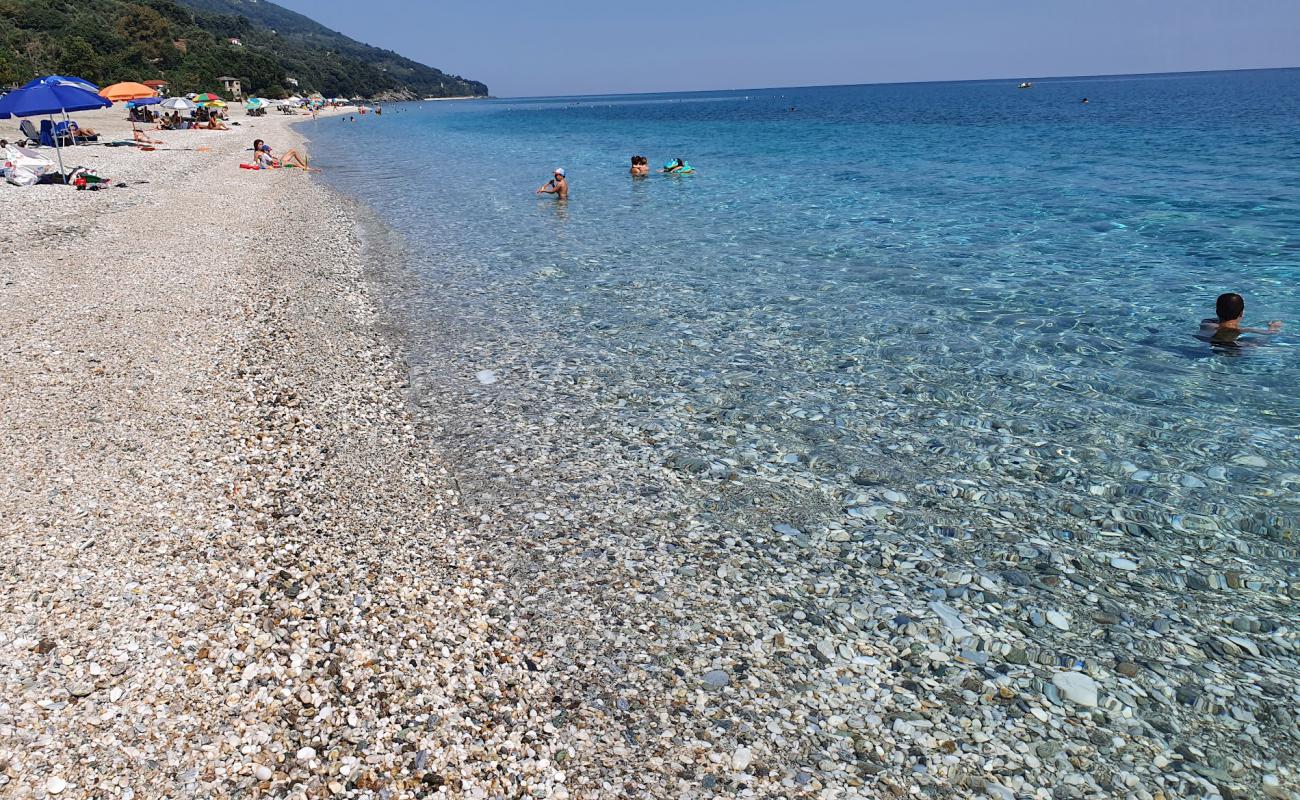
{"x":1076,"y":687}
{"x":741,"y":758}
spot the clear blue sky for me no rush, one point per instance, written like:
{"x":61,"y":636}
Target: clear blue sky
{"x":530,"y":47}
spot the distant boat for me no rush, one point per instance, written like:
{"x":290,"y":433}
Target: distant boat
{"x":1025,"y":85}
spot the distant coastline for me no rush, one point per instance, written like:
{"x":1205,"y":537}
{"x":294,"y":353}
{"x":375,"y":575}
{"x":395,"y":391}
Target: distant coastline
{"x":1013,"y":79}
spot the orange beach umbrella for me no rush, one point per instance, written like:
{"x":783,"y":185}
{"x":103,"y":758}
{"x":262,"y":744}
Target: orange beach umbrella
{"x":127,"y":91}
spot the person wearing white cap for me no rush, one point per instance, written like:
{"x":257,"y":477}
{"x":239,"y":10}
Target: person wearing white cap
{"x":557,"y":185}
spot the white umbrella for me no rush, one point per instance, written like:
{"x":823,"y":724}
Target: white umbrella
{"x":177,"y":104}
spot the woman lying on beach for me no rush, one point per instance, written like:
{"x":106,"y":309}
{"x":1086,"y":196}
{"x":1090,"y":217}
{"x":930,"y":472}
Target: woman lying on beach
{"x":263,"y":159}
{"x":140,"y":136}
{"x":79,"y":132}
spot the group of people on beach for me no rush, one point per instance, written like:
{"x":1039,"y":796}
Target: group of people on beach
{"x":558,"y":185}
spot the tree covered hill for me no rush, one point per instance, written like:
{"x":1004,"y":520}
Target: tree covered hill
{"x":189,"y":44}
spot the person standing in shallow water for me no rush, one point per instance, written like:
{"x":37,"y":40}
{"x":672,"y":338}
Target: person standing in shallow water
{"x":1225,"y":327}
{"x":557,"y":185}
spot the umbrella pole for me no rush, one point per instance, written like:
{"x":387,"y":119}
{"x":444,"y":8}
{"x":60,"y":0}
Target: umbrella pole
{"x":63,"y":176}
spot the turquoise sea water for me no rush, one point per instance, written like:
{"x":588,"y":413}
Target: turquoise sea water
{"x":863,"y":286}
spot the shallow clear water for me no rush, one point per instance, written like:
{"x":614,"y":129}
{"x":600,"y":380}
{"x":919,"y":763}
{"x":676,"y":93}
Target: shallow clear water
{"x":865,"y":286}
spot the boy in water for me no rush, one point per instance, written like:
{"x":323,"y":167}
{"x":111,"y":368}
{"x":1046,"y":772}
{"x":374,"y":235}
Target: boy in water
{"x":557,"y":186}
{"x":1226,"y":327}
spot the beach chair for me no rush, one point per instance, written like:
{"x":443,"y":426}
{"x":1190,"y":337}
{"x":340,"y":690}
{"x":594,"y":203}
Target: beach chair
{"x":48,"y":137}
{"x":29,"y":130}
{"x":68,"y":131}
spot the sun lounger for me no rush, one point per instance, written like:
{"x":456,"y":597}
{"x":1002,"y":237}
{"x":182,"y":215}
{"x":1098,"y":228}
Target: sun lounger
{"x":48,"y":136}
{"x":29,"y":131}
{"x":71,"y":131}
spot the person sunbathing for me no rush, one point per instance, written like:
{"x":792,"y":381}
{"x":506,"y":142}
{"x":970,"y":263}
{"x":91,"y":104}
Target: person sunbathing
{"x":142,"y":138}
{"x":292,"y":158}
{"x":214,"y":124}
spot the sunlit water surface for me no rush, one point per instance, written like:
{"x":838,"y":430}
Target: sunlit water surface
{"x":902,"y":280}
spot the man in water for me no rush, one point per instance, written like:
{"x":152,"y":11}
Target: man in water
{"x":557,"y":185}
{"x":1225,"y":327}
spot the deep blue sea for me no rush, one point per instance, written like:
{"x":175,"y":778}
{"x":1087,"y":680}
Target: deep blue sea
{"x":863,"y":286}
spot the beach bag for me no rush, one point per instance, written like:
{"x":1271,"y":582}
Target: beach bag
{"x":21,"y":176}
{"x":30,"y":160}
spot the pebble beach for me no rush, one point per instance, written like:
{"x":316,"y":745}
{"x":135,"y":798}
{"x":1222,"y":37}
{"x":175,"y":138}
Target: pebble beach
{"x":241,"y":560}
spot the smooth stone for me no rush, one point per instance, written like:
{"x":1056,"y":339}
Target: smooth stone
{"x":951,"y":619}
{"x":55,"y":785}
{"x":306,"y":754}
{"x":1016,"y":578}
{"x":786,"y":530}
{"x":741,"y":758}
{"x":1250,"y":461}
{"x":1058,"y":620}
{"x":717,"y":678}
{"x":1124,"y":564}
{"x":1127,"y":668}
{"x":998,"y":792}
{"x":486,"y":377}
{"x":262,"y":772}
{"x":826,"y":650}
{"x":1077,"y":687}
{"x":874,"y":513}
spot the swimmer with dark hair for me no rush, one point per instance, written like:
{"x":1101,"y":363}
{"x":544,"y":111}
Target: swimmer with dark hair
{"x":1225,"y":327}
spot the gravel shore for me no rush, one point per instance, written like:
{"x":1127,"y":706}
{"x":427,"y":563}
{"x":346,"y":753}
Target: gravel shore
{"x":236,"y":566}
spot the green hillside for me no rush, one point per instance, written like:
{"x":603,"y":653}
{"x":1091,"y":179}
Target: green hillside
{"x":188,"y":43}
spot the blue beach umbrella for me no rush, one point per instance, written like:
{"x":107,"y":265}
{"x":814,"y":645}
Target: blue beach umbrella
{"x":64,"y":80}
{"x":144,"y":101}
{"x":48,"y":99}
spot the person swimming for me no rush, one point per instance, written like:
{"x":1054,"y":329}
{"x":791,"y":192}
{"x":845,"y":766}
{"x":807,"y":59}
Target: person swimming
{"x":677,"y":165}
{"x":640,"y":166}
{"x":1225,"y":328}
